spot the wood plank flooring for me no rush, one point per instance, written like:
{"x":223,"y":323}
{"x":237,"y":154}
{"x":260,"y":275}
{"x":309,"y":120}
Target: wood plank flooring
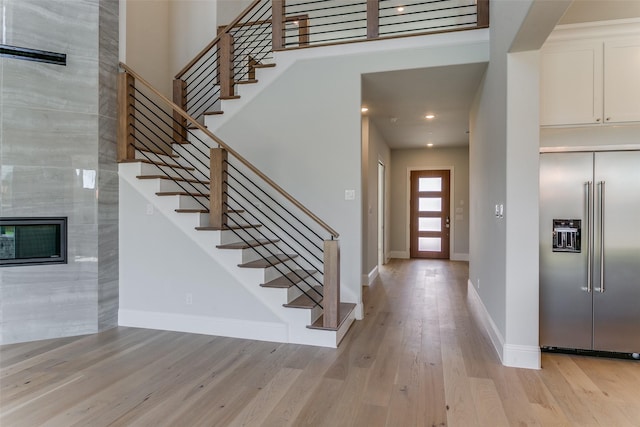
{"x":417,"y":359}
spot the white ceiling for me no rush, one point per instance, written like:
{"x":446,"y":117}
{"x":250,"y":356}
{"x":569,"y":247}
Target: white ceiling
{"x":399,"y":100}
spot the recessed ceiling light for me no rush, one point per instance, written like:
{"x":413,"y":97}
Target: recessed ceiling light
{"x":364,"y":109}
{"x":429,"y":116}
{"x":429,"y":145}
{"x":400,"y":9}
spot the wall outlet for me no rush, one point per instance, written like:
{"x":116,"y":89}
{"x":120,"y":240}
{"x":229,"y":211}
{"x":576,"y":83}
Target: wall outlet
{"x":149,"y":209}
{"x":188,"y":299}
{"x":478,"y":282}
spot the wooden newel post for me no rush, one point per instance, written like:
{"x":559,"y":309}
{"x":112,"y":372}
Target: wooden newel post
{"x":218,"y":188}
{"x":373,"y":19}
{"x":226,"y":66}
{"x":180,"y":99}
{"x":483,"y":13}
{"x":277,"y":24}
{"x":126,"y":141}
{"x":331,"y":286}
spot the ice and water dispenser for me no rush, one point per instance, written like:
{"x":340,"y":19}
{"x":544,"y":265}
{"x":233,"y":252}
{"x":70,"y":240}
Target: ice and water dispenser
{"x":566,"y":235}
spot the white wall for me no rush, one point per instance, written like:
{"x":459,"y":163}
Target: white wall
{"x":504,"y":170}
{"x":304,"y":130}
{"x":192,"y":27}
{"x":147,"y":41}
{"x":455,"y":159}
{"x":374,"y":150}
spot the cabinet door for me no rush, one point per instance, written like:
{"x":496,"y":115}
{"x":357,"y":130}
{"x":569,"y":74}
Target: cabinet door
{"x":571,"y":84}
{"x":622,"y":80}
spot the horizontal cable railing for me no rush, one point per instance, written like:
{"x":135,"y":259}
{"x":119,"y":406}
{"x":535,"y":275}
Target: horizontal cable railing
{"x":248,"y":42}
{"x":211,"y":178}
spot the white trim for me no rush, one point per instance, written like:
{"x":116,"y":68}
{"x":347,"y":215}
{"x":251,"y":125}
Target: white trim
{"x":372,"y":275}
{"x":581,"y":148}
{"x":513,"y":355}
{"x":459,"y":257}
{"x":521,"y":356}
{"x":399,"y":254}
{"x":451,"y":202}
{"x":598,"y":29}
{"x":235,"y":328}
{"x":482,"y":317}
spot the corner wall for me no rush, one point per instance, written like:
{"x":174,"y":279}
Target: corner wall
{"x":374,"y":151}
{"x":57,"y":158}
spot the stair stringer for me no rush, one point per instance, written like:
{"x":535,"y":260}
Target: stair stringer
{"x":291,"y":326}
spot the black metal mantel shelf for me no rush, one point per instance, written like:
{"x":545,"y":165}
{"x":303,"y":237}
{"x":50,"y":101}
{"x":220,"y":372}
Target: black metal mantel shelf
{"x":33,"y":55}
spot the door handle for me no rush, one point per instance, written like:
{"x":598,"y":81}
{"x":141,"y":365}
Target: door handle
{"x":589,"y":206}
{"x":446,"y":222}
{"x":601,"y":208}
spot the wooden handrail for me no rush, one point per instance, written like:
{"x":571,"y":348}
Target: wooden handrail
{"x":204,"y":51}
{"x":231,"y":151}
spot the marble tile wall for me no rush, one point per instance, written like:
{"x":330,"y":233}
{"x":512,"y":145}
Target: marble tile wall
{"x":57,"y":158}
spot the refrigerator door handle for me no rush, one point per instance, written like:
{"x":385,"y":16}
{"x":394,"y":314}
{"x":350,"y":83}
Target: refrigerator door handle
{"x":601,"y":214}
{"x":589,"y":206}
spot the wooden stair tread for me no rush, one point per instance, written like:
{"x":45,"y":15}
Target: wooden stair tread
{"x":345,"y":309}
{"x":212,"y":113}
{"x":267,"y":262}
{"x":228,"y":227}
{"x":230,"y":97}
{"x":150,"y":162}
{"x":306,"y":301}
{"x":192,"y":180}
{"x":271,"y":65}
{"x":201,"y":210}
{"x":288,"y":279}
{"x":246,"y":82}
{"x":192,"y":210}
{"x":247,"y":244}
{"x":180,"y":193}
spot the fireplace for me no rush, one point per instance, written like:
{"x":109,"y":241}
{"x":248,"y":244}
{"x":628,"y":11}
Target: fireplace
{"x":28,"y":241}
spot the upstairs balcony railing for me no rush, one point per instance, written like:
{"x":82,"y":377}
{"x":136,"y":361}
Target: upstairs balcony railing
{"x":249,"y":41}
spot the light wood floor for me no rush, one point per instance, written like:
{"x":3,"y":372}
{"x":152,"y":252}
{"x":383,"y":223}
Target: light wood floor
{"x":417,"y":359}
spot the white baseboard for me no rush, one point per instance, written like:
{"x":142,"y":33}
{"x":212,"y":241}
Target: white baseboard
{"x":517,"y":356}
{"x":371,"y":276}
{"x":235,"y":328}
{"x":482,"y":316}
{"x":399,"y":254}
{"x":522,"y":356}
{"x":459,"y":257}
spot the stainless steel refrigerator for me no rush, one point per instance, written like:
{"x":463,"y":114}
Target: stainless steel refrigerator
{"x":590,"y":251}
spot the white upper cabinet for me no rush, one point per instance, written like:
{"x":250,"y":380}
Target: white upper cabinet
{"x":571,"y":84}
{"x":595,"y":81}
{"x":622,"y":81}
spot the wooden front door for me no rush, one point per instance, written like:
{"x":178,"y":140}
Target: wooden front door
{"x":430,"y":214}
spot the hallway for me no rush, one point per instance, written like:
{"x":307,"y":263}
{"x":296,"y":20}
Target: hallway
{"x":417,"y":359}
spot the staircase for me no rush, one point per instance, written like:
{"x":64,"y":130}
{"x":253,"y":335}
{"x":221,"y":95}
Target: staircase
{"x":224,"y":224}
{"x":216,"y":198}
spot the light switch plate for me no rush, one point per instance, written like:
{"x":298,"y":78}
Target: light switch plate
{"x":349,"y":194}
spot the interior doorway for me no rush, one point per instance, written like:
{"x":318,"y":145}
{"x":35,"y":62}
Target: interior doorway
{"x":429,"y":214}
{"x":381,"y":213}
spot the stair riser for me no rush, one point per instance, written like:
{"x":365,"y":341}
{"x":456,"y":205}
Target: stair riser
{"x":246,"y":234}
{"x":187,"y":202}
{"x":145,"y":155}
{"x":259,"y":252}
{"x":149,"y":169}
{"x":169,"y":186}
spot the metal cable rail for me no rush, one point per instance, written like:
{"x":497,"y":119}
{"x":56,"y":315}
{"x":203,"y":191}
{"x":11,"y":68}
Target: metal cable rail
{"x":249,"y":40}
{"x":151,"y":129}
